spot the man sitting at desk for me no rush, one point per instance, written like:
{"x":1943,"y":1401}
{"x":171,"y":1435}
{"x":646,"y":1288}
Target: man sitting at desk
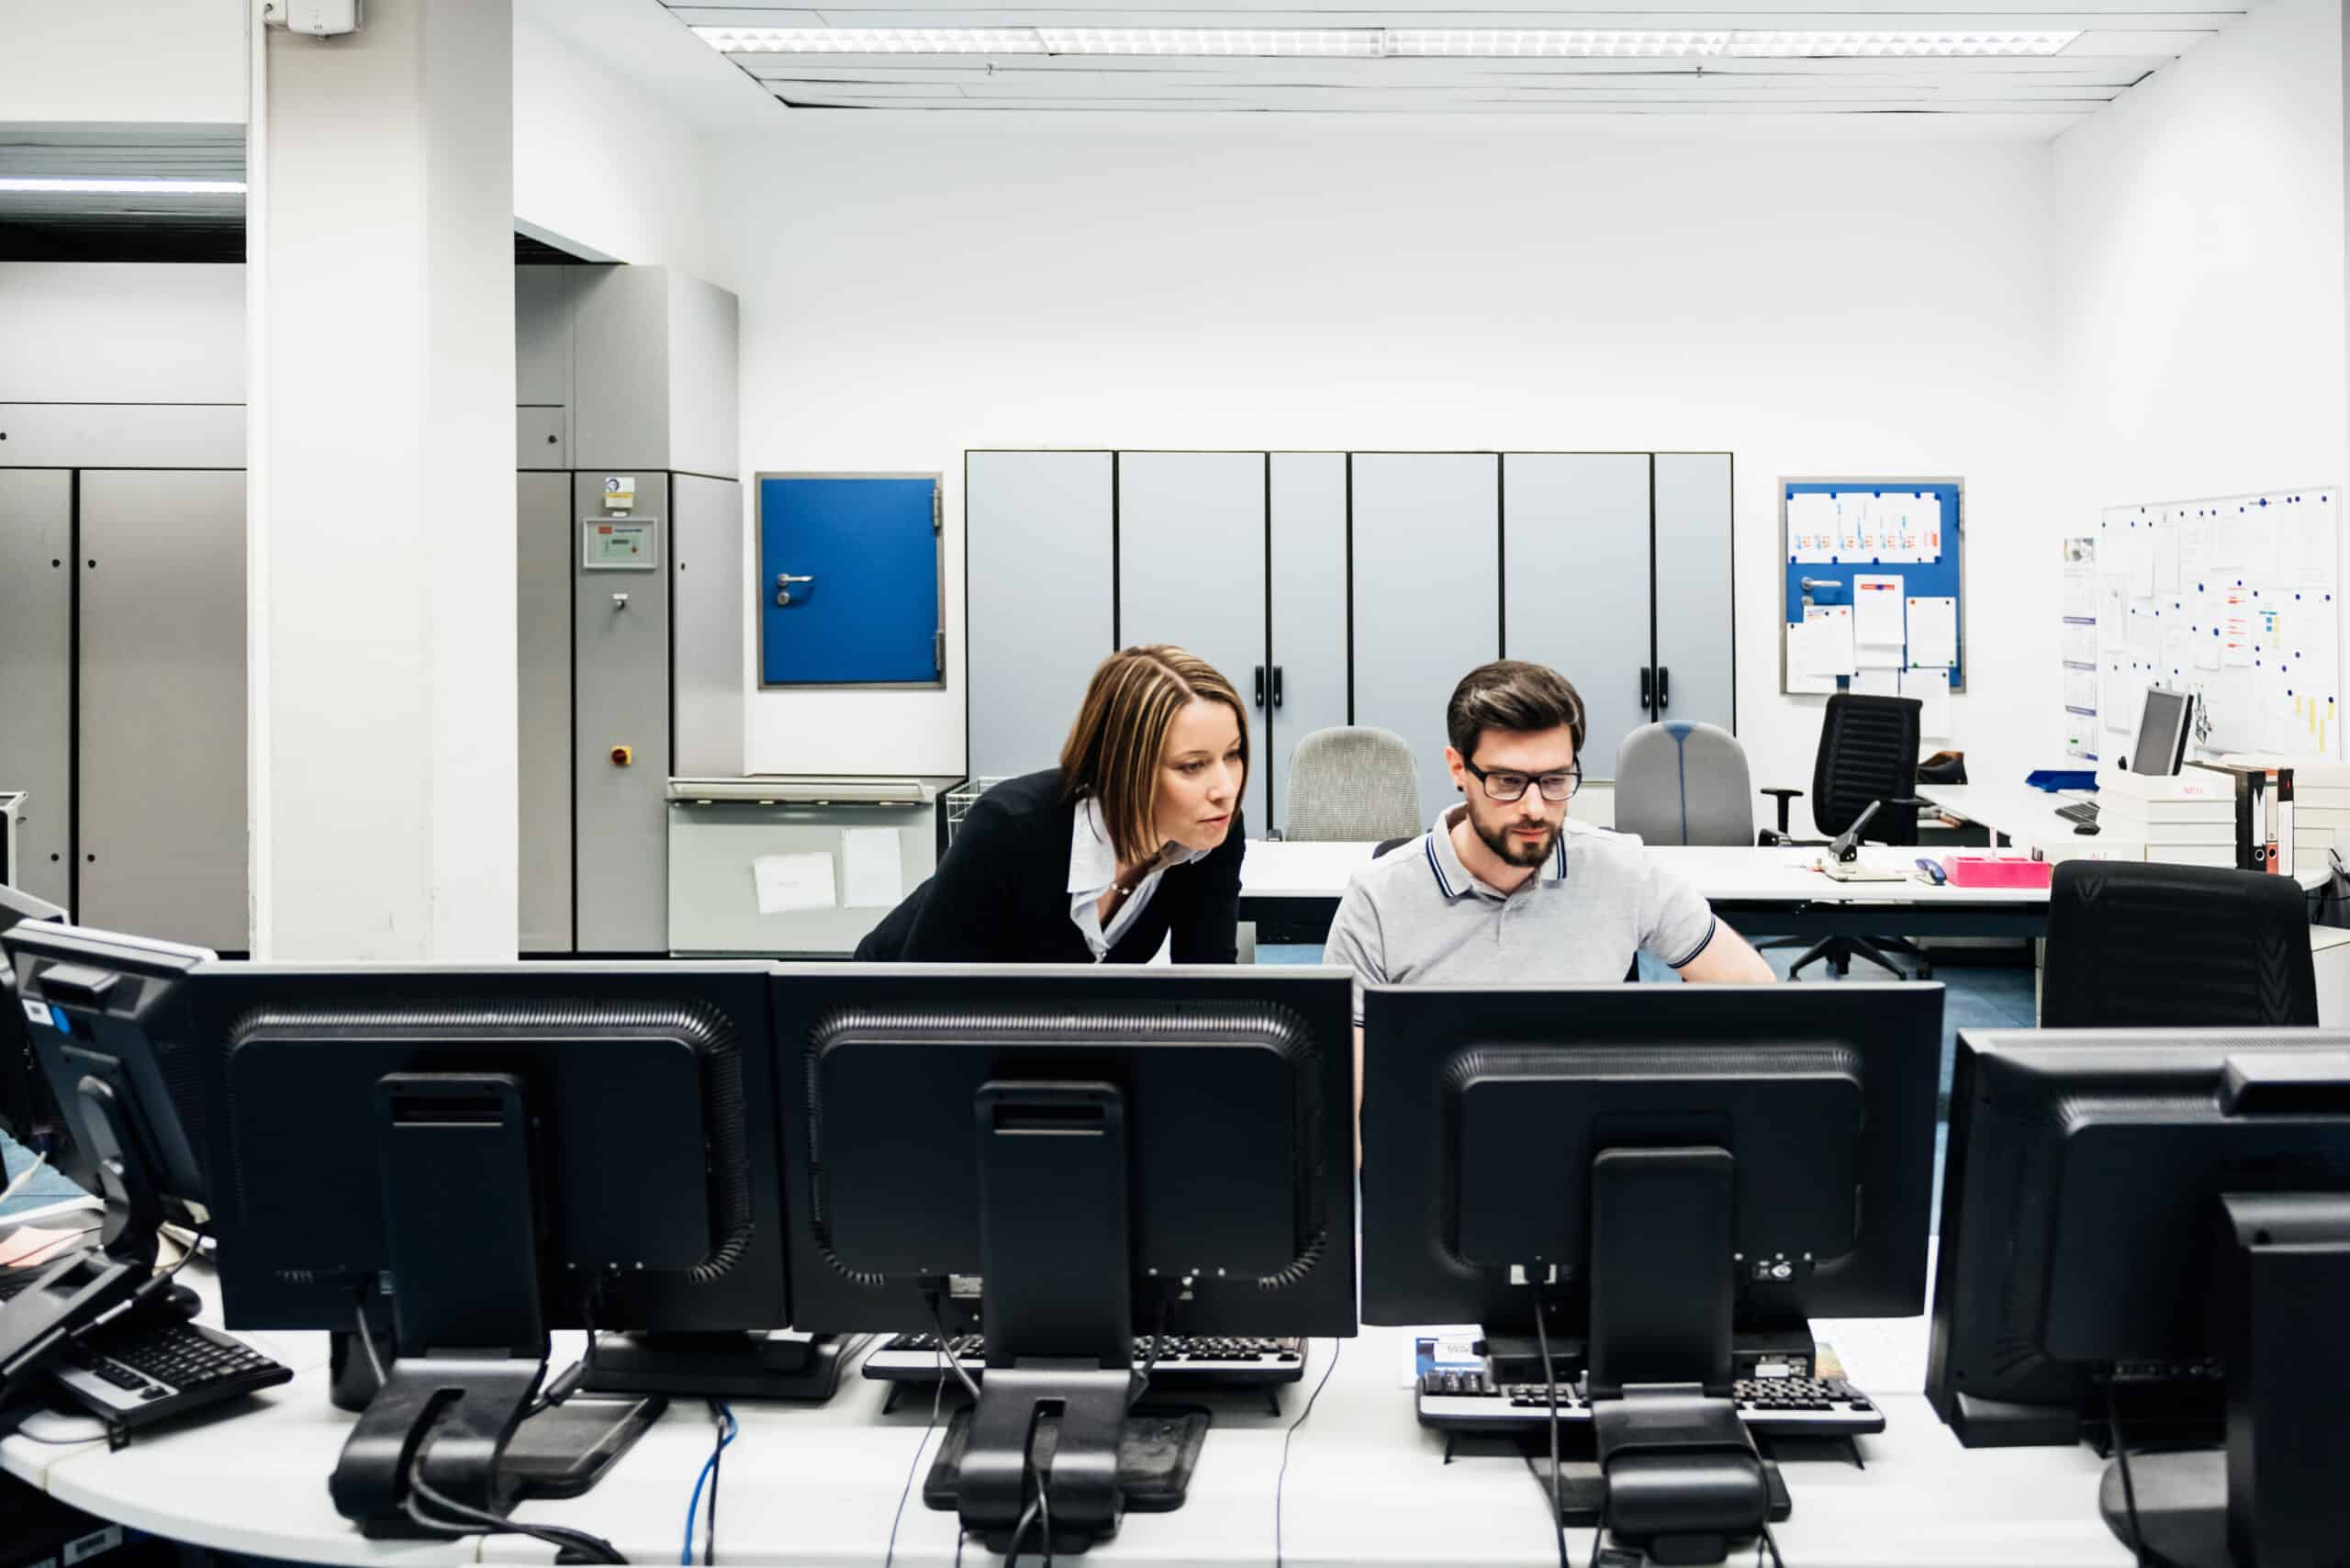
{"x":1504,"y":889}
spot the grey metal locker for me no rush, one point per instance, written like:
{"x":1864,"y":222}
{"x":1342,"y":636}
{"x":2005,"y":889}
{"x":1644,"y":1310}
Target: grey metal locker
{"x":620,"y":765}
{"x":706,"y":565}
{"x":1694,"y":610}
{"x":1308,"y":527}
{"x":543,"y":640}
{"x":1427,"y":596}
{"x":1038,"y":579}
{"x":1191,"y":572}
{"x":36,"y":672}
{"x":1576,"y":576}
{"x":162,"y":775}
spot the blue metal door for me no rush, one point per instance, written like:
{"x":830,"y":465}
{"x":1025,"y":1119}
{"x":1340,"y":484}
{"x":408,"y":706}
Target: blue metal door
{"x":849,"y":581}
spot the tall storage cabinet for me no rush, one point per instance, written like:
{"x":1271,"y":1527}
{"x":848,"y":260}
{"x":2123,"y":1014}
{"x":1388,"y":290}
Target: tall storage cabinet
{"x":37,"y":575}
{"x":1336,"y":588}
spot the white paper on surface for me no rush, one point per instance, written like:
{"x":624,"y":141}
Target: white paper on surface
{"x":1877,"y":620}
{"x":2171,"y":663}
{"x":2310,"y":542}
{"x":2145,"y":640}
{"x":2080,"y":689}
{"x":1931,"y":688}
{"x":2166,"y":557}
{"x":2115,"y":707}
{"x":1876,"y":680}
{"x":789,"y":883}
{"x":2080,"y":645}
{"x":1933,"y":633}
{"x":1802,"y":653}
{"x":2205,"y":646}
{"x":2080,"y":735}
{"x":2194,"y":550}
{"x":1827,"y":641}
{"x":2263,"y":563}
{"x":2235,"y":628}
{"x":1811,"y":527}
{"x":872,"y":871}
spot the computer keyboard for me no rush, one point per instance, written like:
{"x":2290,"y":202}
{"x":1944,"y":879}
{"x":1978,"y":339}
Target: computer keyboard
{"x":138,"y":1371}
{"x":2079,"y":812}
{"x":1194,"y":1363}
{"x":1771,"y":1406}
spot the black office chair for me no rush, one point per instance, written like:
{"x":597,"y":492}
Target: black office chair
{"x":2134,"y":944}
{"x":1868,"y":754}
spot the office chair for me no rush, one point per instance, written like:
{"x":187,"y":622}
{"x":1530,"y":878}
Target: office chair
{"x":1868,"y":753}
{"x":1353,"y":782}
{"x":2138,"y":944}
{"x":1680,"y":782}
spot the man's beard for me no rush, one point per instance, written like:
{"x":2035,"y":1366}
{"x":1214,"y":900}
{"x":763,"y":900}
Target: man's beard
{"x":1514,"y":851}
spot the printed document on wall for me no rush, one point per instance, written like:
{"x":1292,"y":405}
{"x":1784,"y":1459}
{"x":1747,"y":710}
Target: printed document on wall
{"x":2116,"y":691}
{"x":1876,"y":680}
{"x":787,"y":884}
{"x":1933,"y":633}
{"x":1931,"y":688}
{"x":871,"y":867}
{"x":2166,"y":557}
{"x":1877,"y":614}
{"x":1811,"y":527}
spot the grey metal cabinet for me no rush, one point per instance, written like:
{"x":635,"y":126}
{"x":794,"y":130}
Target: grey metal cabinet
{"x":1191,"y":572}
{"x":1695,"y":611}
{"x":1575,"y":579}
{"x":543,"y":643}
{"x":161,"y":745}
{"x":1426,"y":594}
{"x":1307,"y":610}
{"x":706,"y":569}
{"x":1041,"y":589}
{"x":621,"y":717}
{"x":36,"y":672}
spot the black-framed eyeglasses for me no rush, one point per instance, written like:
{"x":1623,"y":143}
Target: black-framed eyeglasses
{"x":1508,"y":787}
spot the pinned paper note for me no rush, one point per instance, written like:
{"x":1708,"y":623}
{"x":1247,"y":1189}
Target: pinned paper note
{"x":1820,"y":648}
{"x":1876,"y":680}
{"x":789,"y":883}
{"x":1933,"y":633}
{"x":1811,"y":527}
{"x":872,"y":870}
{"x":1877,"y":621}
{"x":1931,"y":688}
{"x":2166,"y":558}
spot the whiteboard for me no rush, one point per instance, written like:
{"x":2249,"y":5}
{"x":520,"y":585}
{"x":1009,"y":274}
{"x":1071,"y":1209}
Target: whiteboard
{"x":2237,"y":598}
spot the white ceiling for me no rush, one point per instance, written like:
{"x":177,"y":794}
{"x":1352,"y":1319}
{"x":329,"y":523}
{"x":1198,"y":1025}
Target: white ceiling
{"x":2119,"y":45}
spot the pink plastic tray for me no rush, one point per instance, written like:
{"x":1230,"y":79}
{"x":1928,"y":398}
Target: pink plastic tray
{"x":1996,"y":871}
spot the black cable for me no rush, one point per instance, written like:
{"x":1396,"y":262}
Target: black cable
{"x":1773,"y":1542}
{"x":2122,"y":1462}
{"x":480,"y":1521}
{"x":937,"y":1390}
{"x":946,"y":1347}
{"x":1558,"y":1503}
{"x":724,"y":1419}
{"x":1157,"y":1348}
{"x":1282,"y":1479}
{"x":1027,"y":1517}
{"x":1043,"y":1499}
{"x":368,"y":1342}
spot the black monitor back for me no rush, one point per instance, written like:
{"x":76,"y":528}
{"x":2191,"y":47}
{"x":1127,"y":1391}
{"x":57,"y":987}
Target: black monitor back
{"x":650,"y":1097}
{"x":2081,"y":1191}
{"x":1483,"y":1111}
{"x":1236,"y":1085}
{"x":114,"y":1007}
{"x":25,"y":1109}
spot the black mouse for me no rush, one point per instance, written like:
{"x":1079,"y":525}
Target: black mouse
{"x":2084,"y":827}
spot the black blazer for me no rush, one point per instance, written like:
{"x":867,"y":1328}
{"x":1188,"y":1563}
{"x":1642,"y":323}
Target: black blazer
{"x":1001,"y":894}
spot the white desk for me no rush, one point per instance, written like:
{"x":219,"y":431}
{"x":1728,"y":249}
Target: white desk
{"x":1366,"y":1486}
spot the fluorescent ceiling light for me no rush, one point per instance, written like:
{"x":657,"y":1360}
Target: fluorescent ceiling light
{"x":1371,"y":43}
{"x":128,"y":187}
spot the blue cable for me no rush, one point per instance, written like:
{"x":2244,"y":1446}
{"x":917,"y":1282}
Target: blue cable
{"x":693,"y":1506}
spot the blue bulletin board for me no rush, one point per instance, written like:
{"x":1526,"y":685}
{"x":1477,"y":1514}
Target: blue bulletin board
{"x":1934,"y":572}
{"x":851,"y":570}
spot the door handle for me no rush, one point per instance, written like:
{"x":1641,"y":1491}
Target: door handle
{"x":1277,"y":686}
{"x":1648,"y":698}
{"x":1260,"y":686}
{"x":1663,"y":688}
{"x":783,"y":581}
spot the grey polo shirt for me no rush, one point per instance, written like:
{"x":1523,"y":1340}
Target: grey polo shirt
{"x":1417,"y":915}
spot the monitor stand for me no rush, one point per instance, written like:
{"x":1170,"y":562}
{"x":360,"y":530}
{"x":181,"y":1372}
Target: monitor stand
{"x":2272,"y":1496}
{"x":716,"y":1366}
{"x":469,"y":1339}
{"x":1057,"y":1297}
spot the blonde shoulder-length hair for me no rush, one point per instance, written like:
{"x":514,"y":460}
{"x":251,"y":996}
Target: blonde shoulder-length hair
{"x":1112,"y":750}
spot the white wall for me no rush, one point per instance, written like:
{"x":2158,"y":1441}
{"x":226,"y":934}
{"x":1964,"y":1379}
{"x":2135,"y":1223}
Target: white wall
{"x":123,"y":60}
{"x":1815,"y":304}
{"x":2201,"y":273}
{"x":122,"y":332}
{"x":600,"y":164}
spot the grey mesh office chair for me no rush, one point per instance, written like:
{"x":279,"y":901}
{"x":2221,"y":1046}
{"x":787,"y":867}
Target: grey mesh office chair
{"x":1353,"y":782}
{"x":1683,"y":783}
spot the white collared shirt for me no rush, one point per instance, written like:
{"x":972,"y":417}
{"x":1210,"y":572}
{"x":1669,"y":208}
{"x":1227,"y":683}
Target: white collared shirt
{"x":1093,"y":868}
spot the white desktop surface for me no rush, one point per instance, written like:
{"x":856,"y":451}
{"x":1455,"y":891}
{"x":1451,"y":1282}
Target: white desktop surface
{"x":1366,"y":1484}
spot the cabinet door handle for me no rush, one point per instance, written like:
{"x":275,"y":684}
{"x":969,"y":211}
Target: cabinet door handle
{"x":1648,"y":698}
{"x":1260,"y":686}
{"x":1277,"y":686}
{"x":1663,"y":688}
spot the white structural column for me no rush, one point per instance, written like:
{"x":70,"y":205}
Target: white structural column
{"x":381,"y":222}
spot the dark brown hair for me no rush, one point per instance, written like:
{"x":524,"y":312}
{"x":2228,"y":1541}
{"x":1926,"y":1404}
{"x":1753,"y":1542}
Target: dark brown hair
{"x":1510,"y":694}
{"x":1112,"y":750}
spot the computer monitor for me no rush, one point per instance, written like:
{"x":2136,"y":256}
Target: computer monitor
{"x":1064,"y":1157}
{"x":1676,"y":1178}
{"x":2161,"y":732}
{"x":488,"y":1153}
{"x":2154,"y":1225}
{"x":107,"y":1018}
{"x":27,"y":1113}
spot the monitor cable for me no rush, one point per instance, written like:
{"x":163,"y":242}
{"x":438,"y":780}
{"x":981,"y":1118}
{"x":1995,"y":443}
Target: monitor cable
{"x":946,"y":1347}
{"x":2121,"y":1463}
{"x":459,"y":1519}
{"x":1558,"y":1503}
{"x":728,"y":1428}
{"x":1280,"y":1480}
{"x":1039,"y":1504}
{"x":937,"y":1392}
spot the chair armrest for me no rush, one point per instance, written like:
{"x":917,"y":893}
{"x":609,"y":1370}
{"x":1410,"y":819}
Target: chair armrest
{"x":1783,"y":797}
